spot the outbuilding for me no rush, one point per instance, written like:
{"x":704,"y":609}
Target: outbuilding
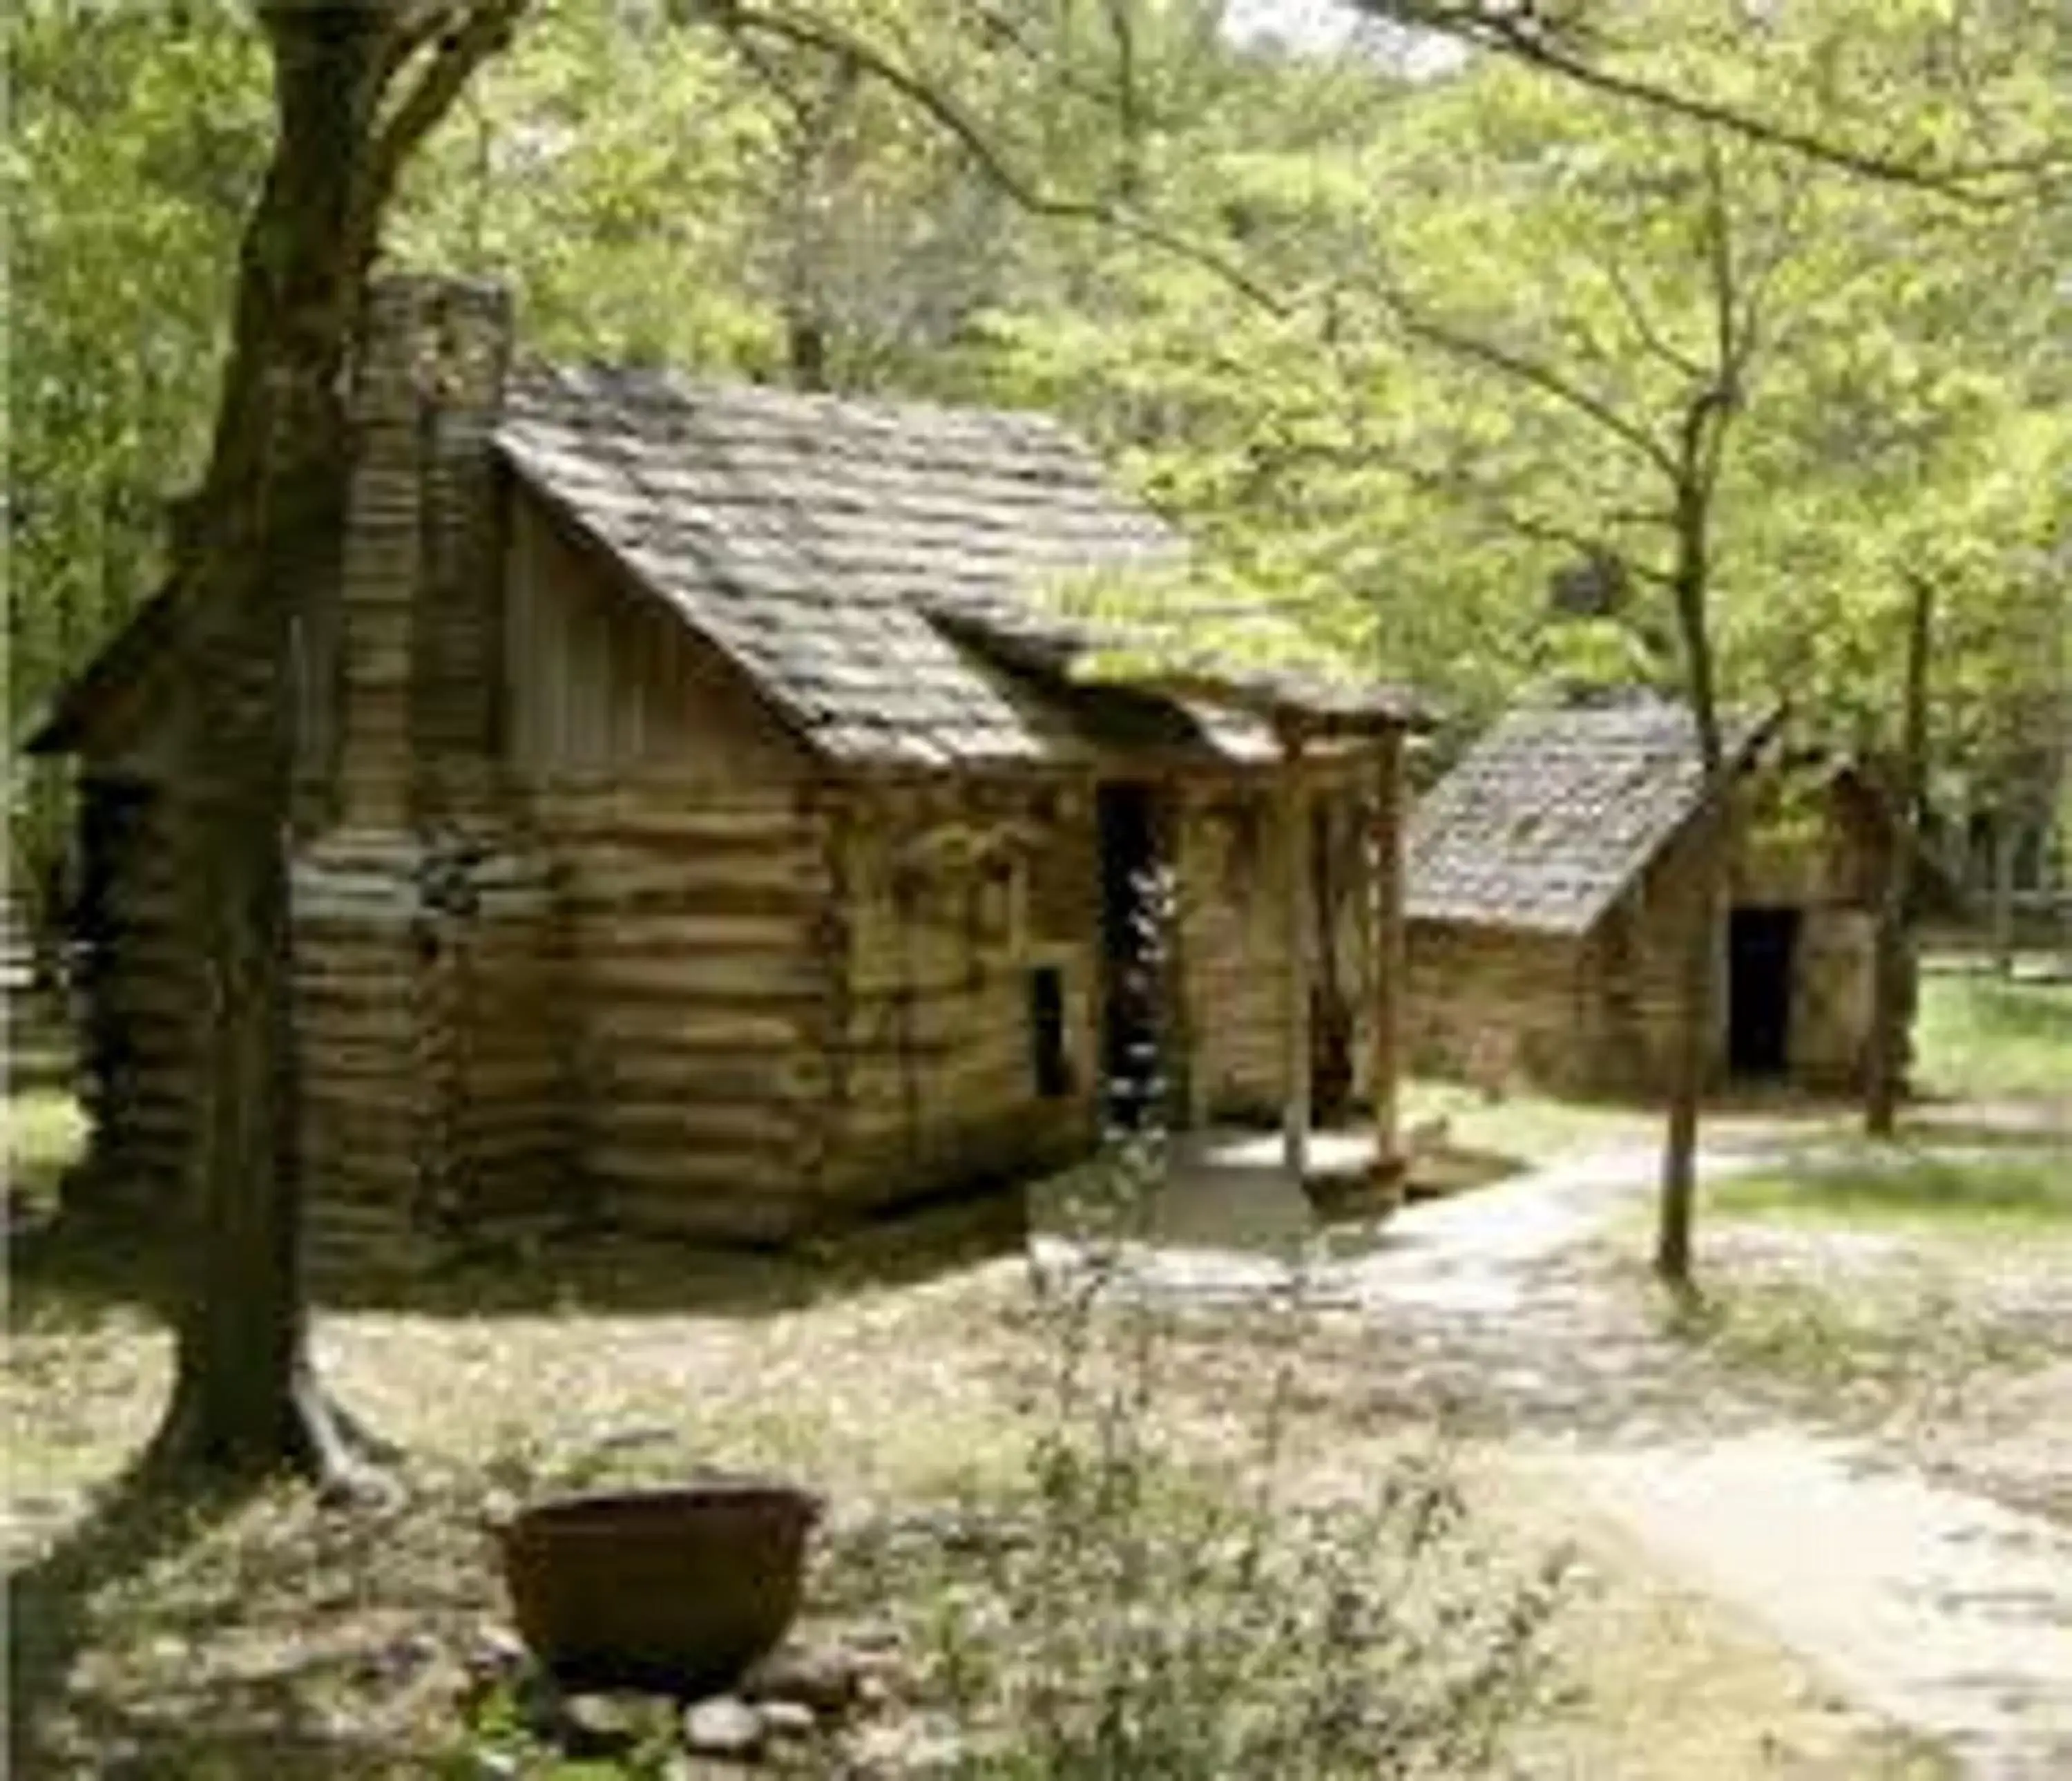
{"x":1553,"y":874}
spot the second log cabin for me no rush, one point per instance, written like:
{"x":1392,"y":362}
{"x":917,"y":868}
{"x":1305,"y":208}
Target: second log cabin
{"x":1554,"y":876}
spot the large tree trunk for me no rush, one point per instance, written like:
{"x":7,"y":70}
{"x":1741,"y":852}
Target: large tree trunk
{"x":260,"y":560}
{"x":1891,"y":1005}
{"x":266,"y":541}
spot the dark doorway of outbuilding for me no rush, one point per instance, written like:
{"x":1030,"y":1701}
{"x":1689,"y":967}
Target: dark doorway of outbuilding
{"x":1130,"y":893}
{"x":1762,"y":946}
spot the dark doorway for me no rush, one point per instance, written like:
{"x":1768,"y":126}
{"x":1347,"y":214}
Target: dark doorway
{"x":116,"y":831}
{"x":1763,"y":945}
{"x":1130,"y":944}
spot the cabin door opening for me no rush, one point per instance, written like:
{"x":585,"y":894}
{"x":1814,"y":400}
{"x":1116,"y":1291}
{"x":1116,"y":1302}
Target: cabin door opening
{"x":1762,"y":948}
{"x":115,"y":830}
{"x":1131,"y":891}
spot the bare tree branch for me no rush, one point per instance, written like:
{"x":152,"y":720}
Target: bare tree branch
{"x":470,"y":37}
{"x":416,"y":23}
{"x":742,"y":20}
{"x":1129,"y":116}
{"x":1644,"y":331}
{"x":996,"y":27}
{"x":1720,"y":268}
{"x":1754,"y":322}
{"x":1532,"y":373}
{"x":1517,"y":29}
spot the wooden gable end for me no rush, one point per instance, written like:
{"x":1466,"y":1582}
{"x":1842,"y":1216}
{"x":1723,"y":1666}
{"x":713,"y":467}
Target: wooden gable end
{"x":601,"y":680}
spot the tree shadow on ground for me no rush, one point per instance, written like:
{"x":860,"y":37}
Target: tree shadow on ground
{"x":1587,"y":1353}
{"x":1574,"y":1344}
{"x":72,"y":1272}
{"x":50,"y":1599}
{"x":242,"y":1631}
{"x":68,"y":1273}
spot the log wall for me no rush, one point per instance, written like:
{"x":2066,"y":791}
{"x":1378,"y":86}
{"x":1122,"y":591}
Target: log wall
{"x":435,"y":1110}
{"x":700,"y":953}
{"x":1500,"y":1008}
{"x":699,"y":975}
{"x":1633,"y":966}
{"x":948,"y":899}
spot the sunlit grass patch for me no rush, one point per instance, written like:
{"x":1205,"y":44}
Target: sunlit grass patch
{"x":46,"y":1130}
{"x":1977,"y":1035}
{"x":1988,"y":1195}
{"x":1531,"y":1128}
{"x":1907,"y":1293}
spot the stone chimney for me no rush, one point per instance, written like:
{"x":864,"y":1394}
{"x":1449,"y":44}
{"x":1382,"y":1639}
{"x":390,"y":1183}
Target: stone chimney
{"x":433,"y":1076}
{"x":419,"y":607}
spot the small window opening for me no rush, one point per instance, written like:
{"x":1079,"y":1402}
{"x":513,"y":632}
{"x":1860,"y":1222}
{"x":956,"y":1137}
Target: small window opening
{"x":1047,"y":1032}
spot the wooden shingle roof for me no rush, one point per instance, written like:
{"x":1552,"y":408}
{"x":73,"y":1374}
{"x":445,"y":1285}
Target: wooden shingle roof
{"x":880,"y":571}
{"x":1554,"y":812}
{"x":813,"y":539}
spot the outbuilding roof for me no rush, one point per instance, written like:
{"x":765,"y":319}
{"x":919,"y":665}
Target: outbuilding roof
{"x":1554,"y":811}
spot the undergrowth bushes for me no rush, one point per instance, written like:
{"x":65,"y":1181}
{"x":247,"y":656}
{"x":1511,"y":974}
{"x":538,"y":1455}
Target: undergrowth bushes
{"x":1136,"y":1608}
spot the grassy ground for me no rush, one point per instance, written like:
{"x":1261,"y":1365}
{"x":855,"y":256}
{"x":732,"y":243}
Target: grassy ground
{"x":1902,"y":1333}
{"x":1978,"y":1036}
{"x":1921,"y":1289}
{"x":44,"y":1131}
{"x":266,"y":1637}
{"x":1933,"y":1194}
{"x":1531,"y":1128}
{"x":1912,"y":1271}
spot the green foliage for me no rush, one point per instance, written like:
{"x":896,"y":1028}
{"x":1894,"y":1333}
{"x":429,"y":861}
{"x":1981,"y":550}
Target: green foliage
{"x":1409,"y":500}
{"x":608,"y":169}
{"x":137,"y":137}
{"x":137,"y":140}
{"x":656,"y":189}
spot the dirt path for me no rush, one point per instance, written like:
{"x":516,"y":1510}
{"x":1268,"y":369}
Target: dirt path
{"x":1948,"y":1613}
{"x":1939,"y":1610}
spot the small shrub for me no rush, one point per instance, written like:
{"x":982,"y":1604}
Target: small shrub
{"x":1137,"y":1611}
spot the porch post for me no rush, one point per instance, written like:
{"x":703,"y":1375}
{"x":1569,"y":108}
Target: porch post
{"x":1390,"y":962}
{"x":1295,"y":981}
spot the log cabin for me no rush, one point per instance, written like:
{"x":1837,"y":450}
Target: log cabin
{"x":710,"y":820}
{"x":1552,"y":875}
